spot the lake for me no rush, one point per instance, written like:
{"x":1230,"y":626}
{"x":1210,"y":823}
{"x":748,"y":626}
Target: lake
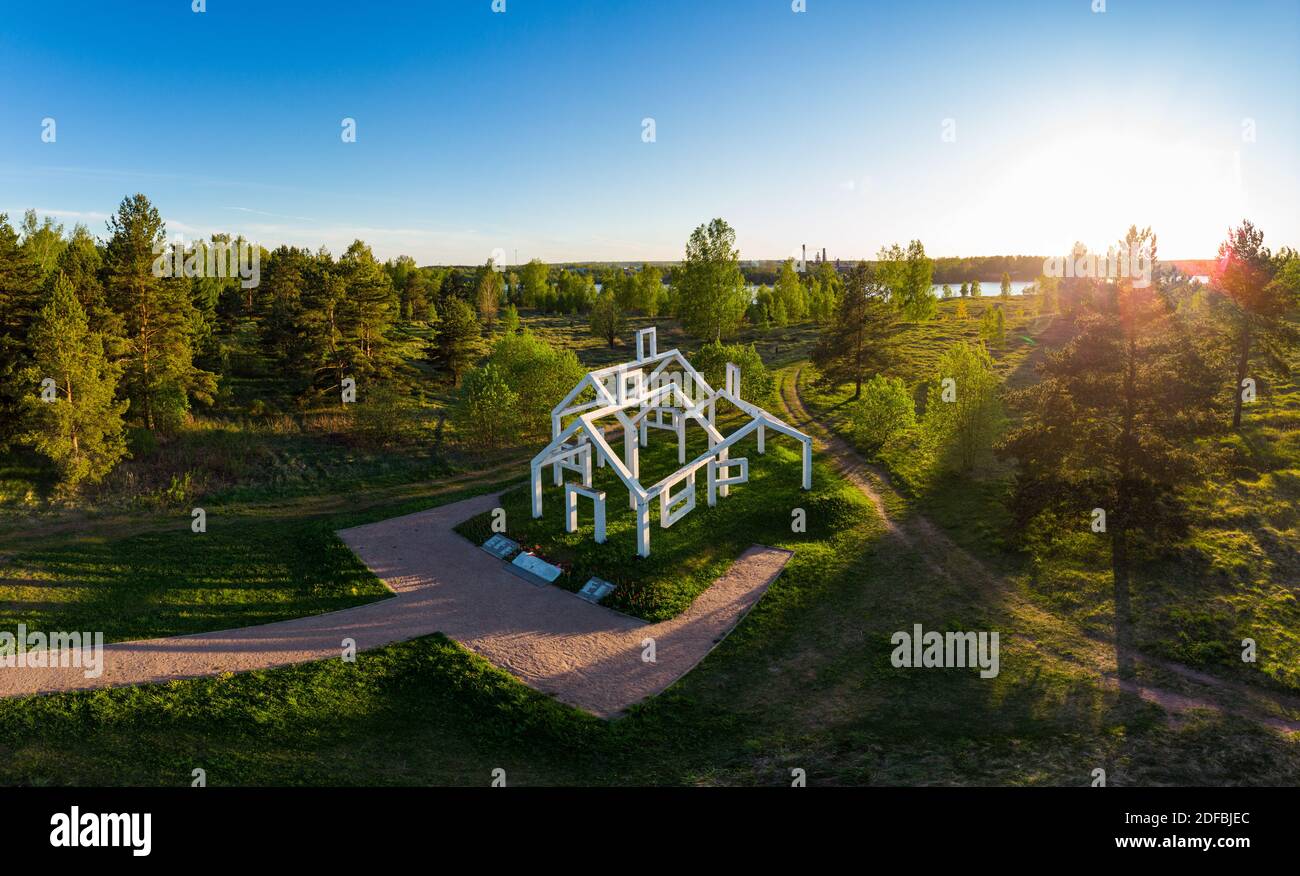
{"x":992,"y":288}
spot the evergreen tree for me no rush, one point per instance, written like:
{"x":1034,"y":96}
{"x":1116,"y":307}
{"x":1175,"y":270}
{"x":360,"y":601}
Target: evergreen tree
{"x":993,"y":326}
{"x":858,"y":341}
{"x":20,"y":285}
{"x":323,"y":325}
{"x":1260,"y":300}
{"x":1111,"y":425}
{"x":456,"y":341}
{"x":510,"y":320}
{"x":369,"y":311}
{"x":80,"y":430}
{"x":284,"y":277}
{"x":160,"y":376}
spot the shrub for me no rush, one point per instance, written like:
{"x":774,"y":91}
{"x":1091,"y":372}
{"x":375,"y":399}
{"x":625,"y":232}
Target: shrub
{"x":487,"y":407}
{"x":383,"y":417}
{"x":511,"y":394}
{"x":756,"y":384}
{"x":885,"y":411}
{"x":961,"y":430}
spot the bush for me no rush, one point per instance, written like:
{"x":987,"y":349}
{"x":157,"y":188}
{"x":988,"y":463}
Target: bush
{"x":384,"y":417}
{"x":885,"y":411}
{"x":756,"y":384}
{"x":511,"y":394}
{"x":961,"y":430}
{"x":487,"y":408}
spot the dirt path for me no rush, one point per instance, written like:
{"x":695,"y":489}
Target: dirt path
{"x":583,"y":654}
{"x":1097,"y":655}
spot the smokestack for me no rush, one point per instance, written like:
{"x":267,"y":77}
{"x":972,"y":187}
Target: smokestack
{"x":804,"y":259}
{"x":823,"y":253}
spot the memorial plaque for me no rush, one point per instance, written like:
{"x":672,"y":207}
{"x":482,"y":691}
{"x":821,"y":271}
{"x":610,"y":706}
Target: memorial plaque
{"x":501,"y":547}
{"x":595,"y":590}
{"x":537,"y":567}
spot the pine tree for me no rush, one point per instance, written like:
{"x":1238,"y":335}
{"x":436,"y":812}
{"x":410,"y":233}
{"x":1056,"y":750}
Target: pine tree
{"x":370,"y":308}
{"x":20,"y":282}
{"x":456,"y":342}
{"x":1111,"y":425}
{"x":1246,"y":273}
{"x":858,"y":341}
{"x":80,"y":430}
{"x":321,"y":325}
{"x":157,"y":314}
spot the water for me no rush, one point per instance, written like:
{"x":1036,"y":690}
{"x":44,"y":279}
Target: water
{"x":987,"y":289}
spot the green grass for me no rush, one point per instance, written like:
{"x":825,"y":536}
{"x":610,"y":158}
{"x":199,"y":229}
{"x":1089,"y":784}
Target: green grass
{"x":244,"y":570}
{"x":687,"y":557}
{"x":1233,"y":577}
{"x":804,"y":682}
{"x":151,"y":577}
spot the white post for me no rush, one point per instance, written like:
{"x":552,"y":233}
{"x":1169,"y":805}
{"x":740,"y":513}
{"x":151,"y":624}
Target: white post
{"x":600,"y":519}
{"x":762,"y":438}
{"x":586,"y":466}
{"x":642,"y":528}
{"x":570,"y":509}
{"x":724,"y":490}
{"x":537,"y":491}
{"x":680,"y":421}
{"x":807,"y":465}
{"x":712,"y":483}
{"x":632,"y":458}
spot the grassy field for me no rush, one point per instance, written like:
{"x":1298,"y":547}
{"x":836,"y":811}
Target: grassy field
{"x":805,"y":681}
{"x":1233,"y":577}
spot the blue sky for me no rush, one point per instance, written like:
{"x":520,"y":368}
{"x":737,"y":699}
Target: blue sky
{"x":522,"y":131}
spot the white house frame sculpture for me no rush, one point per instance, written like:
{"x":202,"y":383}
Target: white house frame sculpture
{"x":639,"y":395}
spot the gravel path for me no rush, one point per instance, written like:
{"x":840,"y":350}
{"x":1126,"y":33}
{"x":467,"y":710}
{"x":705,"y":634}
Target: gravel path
{"x":583,"y":654}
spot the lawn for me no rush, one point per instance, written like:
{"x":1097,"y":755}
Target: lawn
{"x":803,"y":682}
{"x":1233,"y":577}
{"x":687,"y":557}
{"x":151,"y":576}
